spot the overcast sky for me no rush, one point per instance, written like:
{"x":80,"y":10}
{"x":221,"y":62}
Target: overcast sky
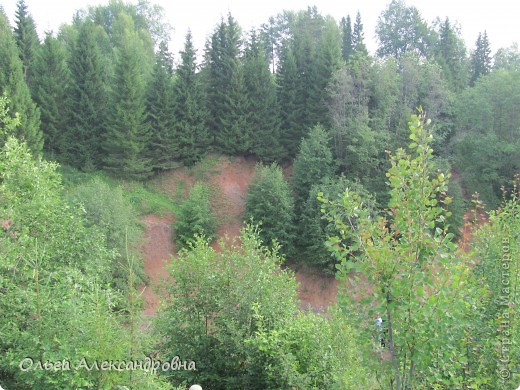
{"x":499,"y":17}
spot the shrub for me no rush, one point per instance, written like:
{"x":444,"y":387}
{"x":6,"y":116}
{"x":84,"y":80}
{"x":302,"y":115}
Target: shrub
{"x":195,"y":218}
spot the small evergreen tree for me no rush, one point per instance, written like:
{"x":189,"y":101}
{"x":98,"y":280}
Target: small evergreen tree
{"x":313,"y":163}
{"x":269,"y":203}
{"x":195,"y":218}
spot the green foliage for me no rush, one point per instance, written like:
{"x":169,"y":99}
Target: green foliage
{"x":407,"y":271}
{"x":164,"y":143}
{"x":290,"y":109}
{"x":309,"y":352}
{"x":26,"y":39}
{"x":312,"y":164}
{"x":126,"y":141}
{"x":487,"y":143}
{"x":215,"y":305}
{"x":269,"y":203}
{"x":111,"y":212}
{"x":400,"y":29}
{"x":12,"y":83}
{"x":314,"y":229}
{"x":53,"y":296}
{"x":51,"y":92}
{"x":480,"y":58}
{"x":88,"y":105}
{"x":263,"y":119}
{"x":496,"y":245}
{"x":190,"y":110}
{"x":194,"y":218}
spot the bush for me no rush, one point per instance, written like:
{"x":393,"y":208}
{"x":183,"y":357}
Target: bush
{"x":195,"y":218}
{"x":107,"y":208}
{"x":314,"y":227}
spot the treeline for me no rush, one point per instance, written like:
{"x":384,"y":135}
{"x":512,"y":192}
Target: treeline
{"x":106,"y":93}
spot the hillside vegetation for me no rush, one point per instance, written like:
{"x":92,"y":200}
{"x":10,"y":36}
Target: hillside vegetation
{"x":286,"y":147}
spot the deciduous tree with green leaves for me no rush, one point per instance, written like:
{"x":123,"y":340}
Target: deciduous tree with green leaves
{"x":405,"y":269}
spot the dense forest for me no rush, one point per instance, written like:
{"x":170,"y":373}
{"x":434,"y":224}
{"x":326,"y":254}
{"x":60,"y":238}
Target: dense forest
{"x":366,"y":167}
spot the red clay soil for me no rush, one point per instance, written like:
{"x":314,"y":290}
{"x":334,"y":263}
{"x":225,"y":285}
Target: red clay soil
{"x":229,"y":179}
{"x":157,"y":249}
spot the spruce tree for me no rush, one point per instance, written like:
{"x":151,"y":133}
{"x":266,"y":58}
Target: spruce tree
{"x":481,"y":58}
{"x":235,"y":136}
{"x":226,"y":93}
{"x":346,"y":46}
{"x":262,"y":103}
{"x":190,"y":108}
{"x":291,"y":131}
{"x":313,"y":163}
{"x":126,"y":141}
{"x":51,"y":86}
{"x":26,"y":39}
{"x":12,"y":83}
{"x":164,"y":143}
{"x":451,"y":56}
{"x":358,"y":36}
{"x":88,"y":107}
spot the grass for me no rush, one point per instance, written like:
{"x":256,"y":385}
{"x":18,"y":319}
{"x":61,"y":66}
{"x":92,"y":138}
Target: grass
{"x":145,"y":197}
{"x":205,"y":168}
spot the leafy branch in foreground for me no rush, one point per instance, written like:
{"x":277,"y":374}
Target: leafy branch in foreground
{"x":404,"y":268}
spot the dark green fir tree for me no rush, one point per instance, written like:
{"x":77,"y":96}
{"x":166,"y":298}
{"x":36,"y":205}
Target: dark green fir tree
{"x":12,"y":84}
{"x":190,"y":108}
{"x":164,"y":143}
{"x":127,"y":138}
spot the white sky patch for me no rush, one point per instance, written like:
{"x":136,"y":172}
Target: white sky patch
{"x":499,"y":17}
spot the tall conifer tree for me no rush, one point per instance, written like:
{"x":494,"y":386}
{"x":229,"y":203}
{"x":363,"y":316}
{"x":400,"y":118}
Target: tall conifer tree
{"x":346,"y":29}
{"x":26,"y":39}
{"x":190,"y":108}
{"x":126,"y":141}
{"x":262,"y":103}
{"x":164,"y":144}
{"x":88,"y":101}
{"x":481,"y":58}
{"x":51,"y":85}
{"x":12,"y":84}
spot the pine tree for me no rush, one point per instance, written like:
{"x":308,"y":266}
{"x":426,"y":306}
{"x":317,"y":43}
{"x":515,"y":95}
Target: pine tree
{"x":190,"y":109}
{"x":481,"y":58}
{"x":12,"y":83}
{"x":26,"y":39}
{"x":347,"y":47}
{"x":127,"y":137}
{"x":51,"y":86}
{"x":164,"y":144}
{"x":88,"y":108}
{"x":263,"y":119}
